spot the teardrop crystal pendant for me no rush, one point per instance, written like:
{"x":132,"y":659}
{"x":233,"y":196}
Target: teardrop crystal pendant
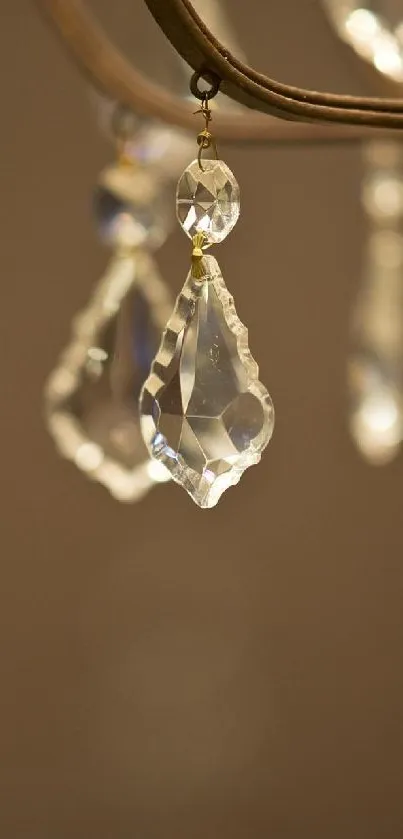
{"x":92,"y":396}
{"x":204,"y":413}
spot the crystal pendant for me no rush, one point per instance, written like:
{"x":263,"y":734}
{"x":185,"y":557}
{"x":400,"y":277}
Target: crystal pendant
{"x":375,"y":369}
{"x":92,"y":396}
{"x":129,"y":209}
{"x":207,"y":200}
{"x":377,"y":407}
{"x":204,"y":413}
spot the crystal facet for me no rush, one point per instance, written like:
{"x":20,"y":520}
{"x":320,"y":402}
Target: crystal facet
{"x":92,"y":395}
{"x":204,"y":413}
{"x":129,"y":208}
{"x":207,"y":200}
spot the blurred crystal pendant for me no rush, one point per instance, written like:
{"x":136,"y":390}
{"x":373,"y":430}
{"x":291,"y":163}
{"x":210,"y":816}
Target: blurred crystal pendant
{"x":204,"y":413}
{"x":92,"y":395}
{"x":375,"y":371}
{"x":374,"y":30}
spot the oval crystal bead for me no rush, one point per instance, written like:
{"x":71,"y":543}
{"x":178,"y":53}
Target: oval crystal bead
{"x":129,"y":209}
{"x":208,"y":200}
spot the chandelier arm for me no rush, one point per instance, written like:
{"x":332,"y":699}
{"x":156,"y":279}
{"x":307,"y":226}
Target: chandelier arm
{"x":306,"y":116}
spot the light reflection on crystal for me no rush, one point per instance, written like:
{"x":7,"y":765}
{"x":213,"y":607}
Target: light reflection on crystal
{"x":370,"y":34}
{"x":88,"y":457}
{"x":97,"y":354}
{"x":380,"y":414}
{"x":92,"y":397}
{"x":204,"y":413}
{"x":377,"y":411}
{"x":383,"y":195}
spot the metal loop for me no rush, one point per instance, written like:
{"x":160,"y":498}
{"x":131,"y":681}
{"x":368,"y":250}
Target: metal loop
{"x":204,"y":139}
{"x":211,"y":78}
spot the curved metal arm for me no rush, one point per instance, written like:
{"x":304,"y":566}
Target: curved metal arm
{"x":111,"y":72}
{"x":198,"y":46}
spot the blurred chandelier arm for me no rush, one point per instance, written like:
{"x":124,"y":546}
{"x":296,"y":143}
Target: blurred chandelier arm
{"x":112,"y":73}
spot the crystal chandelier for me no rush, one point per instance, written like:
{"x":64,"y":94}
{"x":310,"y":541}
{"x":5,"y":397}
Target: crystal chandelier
{"x":207,"y":213}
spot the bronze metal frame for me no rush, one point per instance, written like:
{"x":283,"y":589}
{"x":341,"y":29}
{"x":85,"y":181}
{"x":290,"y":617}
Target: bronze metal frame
{"x":342,"y":117}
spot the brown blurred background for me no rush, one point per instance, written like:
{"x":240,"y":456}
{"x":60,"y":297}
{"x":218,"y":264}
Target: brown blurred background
{"x":169,"y":673}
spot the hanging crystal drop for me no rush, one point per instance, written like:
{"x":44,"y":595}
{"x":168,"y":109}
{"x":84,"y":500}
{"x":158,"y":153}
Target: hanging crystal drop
{"x":92,"y":395}
{"x":375,"y":368}
{"x":204,"y":413}
{"x":207,"y":200}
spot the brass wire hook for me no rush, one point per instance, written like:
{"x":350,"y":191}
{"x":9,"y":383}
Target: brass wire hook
{"x":205,"y":139}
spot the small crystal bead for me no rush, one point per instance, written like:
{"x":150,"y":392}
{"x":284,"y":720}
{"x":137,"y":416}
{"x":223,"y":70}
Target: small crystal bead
{"x":129,"y":209}
{"x":207,"y":200}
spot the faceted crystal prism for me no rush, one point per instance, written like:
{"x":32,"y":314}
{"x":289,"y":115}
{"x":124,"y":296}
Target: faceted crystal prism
{"x":92,"y":395}
{"x":204,"y":413}
{"x":207,"y":200}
